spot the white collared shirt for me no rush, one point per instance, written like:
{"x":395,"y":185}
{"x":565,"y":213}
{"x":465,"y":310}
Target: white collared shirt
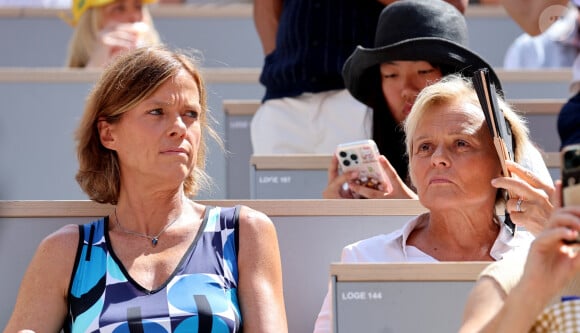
{"x":393,"y":247}
{"x":555,"y":48}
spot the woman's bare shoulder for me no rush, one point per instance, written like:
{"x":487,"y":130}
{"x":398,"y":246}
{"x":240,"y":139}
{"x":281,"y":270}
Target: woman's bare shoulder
{"x":254,"y":218}
{"x":60,"y":244}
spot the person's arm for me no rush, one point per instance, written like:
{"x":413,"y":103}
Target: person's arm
{"x":484,"y":301}
{"x":41,"y":305}
{"x":461,"y":5}
{"x":549,"y":268}
{"x":323,"y":320}
{"x":526,"y":13}
{"x":260,"y":289}
{"x":488,"y":310}
{"x":266,"y":18}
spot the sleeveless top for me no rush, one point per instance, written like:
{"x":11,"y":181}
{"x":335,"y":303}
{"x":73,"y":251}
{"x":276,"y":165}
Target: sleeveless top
{"x":200,"y":296}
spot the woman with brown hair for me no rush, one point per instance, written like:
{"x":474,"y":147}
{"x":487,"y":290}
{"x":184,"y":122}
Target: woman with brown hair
{"x":159,"y":261}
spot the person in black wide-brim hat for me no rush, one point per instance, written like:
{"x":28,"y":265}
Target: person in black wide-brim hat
{"x":421,"y":40}
{"x":414,"y":30}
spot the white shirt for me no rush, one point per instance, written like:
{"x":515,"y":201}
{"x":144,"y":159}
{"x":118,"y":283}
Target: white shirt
{"x":393,"y":248}
{"x":557,"y":47}
{"x":533,"y":161}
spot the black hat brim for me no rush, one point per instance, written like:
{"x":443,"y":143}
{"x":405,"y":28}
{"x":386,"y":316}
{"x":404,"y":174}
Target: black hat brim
{"x":437,"y":51}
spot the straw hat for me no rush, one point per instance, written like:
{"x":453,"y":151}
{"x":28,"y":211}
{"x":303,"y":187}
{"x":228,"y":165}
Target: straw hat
{"x":81,"y":6}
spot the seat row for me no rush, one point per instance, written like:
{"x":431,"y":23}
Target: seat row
{"x":39,"y":37}
{"x":42,"y":107}
{"x":304,"y":176}
{"x":311,"y":235}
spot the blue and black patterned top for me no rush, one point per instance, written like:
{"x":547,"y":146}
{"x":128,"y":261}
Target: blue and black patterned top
{"x":200,"y":296}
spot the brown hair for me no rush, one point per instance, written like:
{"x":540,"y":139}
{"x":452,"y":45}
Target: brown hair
{"x":129,"y":80}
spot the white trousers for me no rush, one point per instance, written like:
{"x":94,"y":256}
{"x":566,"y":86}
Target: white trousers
{"x":312,"y":123}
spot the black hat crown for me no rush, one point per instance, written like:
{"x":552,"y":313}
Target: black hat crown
{"x":420,"y":19}
{"x":413,"y":30}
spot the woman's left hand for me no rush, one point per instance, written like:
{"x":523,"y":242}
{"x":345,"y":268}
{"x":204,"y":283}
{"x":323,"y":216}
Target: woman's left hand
{"x":531,"y":200}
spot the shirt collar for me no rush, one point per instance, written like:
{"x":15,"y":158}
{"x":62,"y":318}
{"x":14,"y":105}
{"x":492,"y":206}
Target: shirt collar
{"x":504,"y":243}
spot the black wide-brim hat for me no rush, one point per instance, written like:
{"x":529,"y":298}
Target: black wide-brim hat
{"x":414,"y":30}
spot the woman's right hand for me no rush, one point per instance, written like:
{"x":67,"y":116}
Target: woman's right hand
{"x":551,"y":264}
{"x":549,"y":267}
{"x":116,"y":39}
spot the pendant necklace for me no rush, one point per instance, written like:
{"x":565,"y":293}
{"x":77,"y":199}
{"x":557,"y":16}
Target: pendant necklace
{"x":154,"y":239}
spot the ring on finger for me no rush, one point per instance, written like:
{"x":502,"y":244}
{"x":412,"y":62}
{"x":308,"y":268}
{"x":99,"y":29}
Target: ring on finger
{"x":519,"y":205}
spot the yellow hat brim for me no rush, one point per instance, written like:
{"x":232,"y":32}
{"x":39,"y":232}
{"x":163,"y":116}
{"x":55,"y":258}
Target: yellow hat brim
{"x":81,"y":6}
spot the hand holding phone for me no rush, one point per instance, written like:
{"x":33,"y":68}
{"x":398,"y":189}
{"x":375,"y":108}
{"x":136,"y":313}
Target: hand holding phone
{"x":363,"y":157}
{"x":570,"y":156}
{"x":570,"y":159}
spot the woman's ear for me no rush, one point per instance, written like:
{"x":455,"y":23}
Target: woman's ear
{"x":105,"y":134}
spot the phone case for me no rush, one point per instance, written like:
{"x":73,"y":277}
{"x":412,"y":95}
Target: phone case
{"x":363,"y":157}
{"x":499,"y":128}
{"x":571,"y":175}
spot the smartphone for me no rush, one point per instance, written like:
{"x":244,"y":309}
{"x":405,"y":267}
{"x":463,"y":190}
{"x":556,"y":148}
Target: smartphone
{"x":363,"y":157}
{"x":570,"y":175}
{"x":570,"y":159}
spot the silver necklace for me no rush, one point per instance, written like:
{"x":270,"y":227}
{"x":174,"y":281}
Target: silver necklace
{"x":154,"y":239}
